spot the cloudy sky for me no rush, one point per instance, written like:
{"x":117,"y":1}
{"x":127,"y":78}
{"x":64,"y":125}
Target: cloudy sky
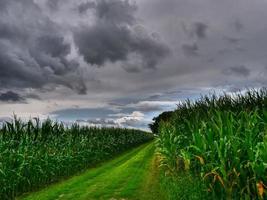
{"x":121,"y":62}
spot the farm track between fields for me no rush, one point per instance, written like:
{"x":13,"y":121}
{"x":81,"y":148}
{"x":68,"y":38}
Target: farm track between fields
{"x":133,"y":175}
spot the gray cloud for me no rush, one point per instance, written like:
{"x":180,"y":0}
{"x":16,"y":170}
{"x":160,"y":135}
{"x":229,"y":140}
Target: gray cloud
{"x":32,"y":96}
{"x":136,"y":118}
{"x":102,"y":121}
{"x":238,"y":26}
{"x":99,"y":122}
{"x":116,"y":11}
{"x":200,"y":30}
{"x":53,"y":45}
{"x":148,"y":106}
{"x":83,"y":7}
{"x":130,"y":120}
{"x":190,"y":49}
{"x":15,"y":97}
{"x":3,"y":4}
{"x":105,"y":117}
{"x":11,"y":96}
{"x":55,"y":52}
{"x":33,"y":51}
{"x":232,"y":40}
{"x":104,"y":42}
{"x":197,"y":30}
{"x":52,"y":4}
{"x":238,"y":71}
{"x":116,"y":35}
{"x":131,"y":68}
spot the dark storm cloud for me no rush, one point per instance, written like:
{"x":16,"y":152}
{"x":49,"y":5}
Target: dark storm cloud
{"x":238,"y":26}
{"x":53,"y":4}
{"x":190,"y":49}
{"x":197,"y":30}
{"x":143,"y":106}
{"x":4,"y":4}
{"x":83,"y":7}
{"x":14,"y":97}
{"x":148,"y":107}
{"x":32,"y":96}
{"x":9,"y":31}
{"x":17,"y":68}
{"x":152,"y":103}
{"x":103,"y":42}
{"x":53,"y":45}
{"x":232,"y":40}
{"x":164,"y":96}
{"x":116,"y":11}
{"x":238,"y":71}
{"x":200,"y":30}
{"x":131,"y":68}
{"x":116,"y":34}
{"x":11,"y":96}
{"x":33,"y":50}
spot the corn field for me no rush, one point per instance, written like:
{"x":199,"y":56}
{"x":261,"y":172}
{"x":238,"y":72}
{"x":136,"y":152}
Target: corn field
{"x":34,"y":154}
{"x":222,"y":140}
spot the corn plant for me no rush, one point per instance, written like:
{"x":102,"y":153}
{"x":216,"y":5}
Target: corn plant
{"x":34,"y":153}
{"x":222,"y":140}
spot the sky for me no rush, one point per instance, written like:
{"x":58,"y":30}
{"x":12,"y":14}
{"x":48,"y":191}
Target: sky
{"x":122,"y":62}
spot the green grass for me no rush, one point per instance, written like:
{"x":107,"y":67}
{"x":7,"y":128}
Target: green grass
{"x":183,"y":187}
{"x":151,"y":186}
{"x":130,"y":176}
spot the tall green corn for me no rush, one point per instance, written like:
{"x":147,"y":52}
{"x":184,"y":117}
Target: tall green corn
{"x":35,"y":153}
{"x":223,"y":140}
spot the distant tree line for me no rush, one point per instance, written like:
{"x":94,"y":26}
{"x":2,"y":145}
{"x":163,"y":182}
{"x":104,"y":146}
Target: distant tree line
{"x":163,"y":117}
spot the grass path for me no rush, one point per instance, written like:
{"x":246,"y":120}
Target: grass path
{"x":132,"y":175}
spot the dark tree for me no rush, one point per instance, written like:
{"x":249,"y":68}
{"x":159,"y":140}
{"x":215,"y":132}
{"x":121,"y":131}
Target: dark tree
{"x":165,"y":117}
